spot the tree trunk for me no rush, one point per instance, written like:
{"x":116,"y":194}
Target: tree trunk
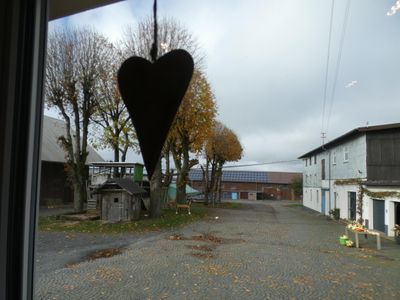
{"x":181,"y":188}
{"x":219,"y":191}
{"x":79,"y":196}
{"x":206,"y":181}
{"x":182,"y":164}
{"x":116,"y":159}
{"x":156,"y":192}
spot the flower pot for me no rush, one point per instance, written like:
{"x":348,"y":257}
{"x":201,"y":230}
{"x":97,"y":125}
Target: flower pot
{"x":343,"y":241}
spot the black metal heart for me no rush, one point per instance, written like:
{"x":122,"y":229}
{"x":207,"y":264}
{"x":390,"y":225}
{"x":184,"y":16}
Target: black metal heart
{"x":152,"y":93}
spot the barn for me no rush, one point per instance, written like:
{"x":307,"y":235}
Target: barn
{"x":54,"y":186}
{"x":250,"y":185}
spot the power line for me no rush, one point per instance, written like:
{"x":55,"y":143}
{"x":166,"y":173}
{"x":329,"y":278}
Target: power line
{"x":250,"y":165}
{"x":338,"y":62}
{"x":327,"y":66}
{"x":261,"y":164}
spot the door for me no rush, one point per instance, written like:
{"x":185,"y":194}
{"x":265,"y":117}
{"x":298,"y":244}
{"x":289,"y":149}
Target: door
{"x":379,"y":215}
{"x":244,"y":195}
{"x":116,"y":209}
{"x":352,"y":205}
{"x":323,"y":201}
{"x":397,"y":213}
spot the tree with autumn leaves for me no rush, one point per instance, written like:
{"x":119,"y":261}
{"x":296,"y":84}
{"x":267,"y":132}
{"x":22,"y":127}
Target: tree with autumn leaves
{"x":191,"y":128}
{"x":81,"y":84}
{"x":194,"y":126}
{"x":221,"y":146}
{"x":197,"y":111}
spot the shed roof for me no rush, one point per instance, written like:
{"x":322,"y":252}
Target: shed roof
{"x":124,"y":183}
{"x":51,"y":149}
{"x":249,"y":176}
{"x":349,"y":135}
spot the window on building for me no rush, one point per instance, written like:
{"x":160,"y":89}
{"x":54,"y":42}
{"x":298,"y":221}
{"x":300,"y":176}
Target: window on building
{"x":323,"y":169}
{"x":346,"y":154}
{"x":306,"y":162}
{"x":334,"y":158}
{"x":315,"y":160}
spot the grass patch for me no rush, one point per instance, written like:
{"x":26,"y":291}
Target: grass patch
{"x":168,"y":220}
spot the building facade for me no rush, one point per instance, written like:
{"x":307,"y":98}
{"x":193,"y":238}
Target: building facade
{"x":55,"y":188}
{"x":250,"y":185}
{"x":357,"y":173}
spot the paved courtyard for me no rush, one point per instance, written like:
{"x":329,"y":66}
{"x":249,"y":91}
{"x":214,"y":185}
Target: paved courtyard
{"x":265,"y":250}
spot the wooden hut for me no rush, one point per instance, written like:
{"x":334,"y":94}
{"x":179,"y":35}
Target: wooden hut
{"x":120,"y":199}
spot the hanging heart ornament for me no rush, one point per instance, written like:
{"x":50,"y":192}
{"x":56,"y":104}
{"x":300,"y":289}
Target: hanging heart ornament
{"x":152,"y":93}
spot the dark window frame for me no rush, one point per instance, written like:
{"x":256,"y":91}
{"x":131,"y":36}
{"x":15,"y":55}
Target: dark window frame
{"x":23,"y":34}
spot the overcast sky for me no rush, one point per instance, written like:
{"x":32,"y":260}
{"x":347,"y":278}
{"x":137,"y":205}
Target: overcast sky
{"x":266,"y":62}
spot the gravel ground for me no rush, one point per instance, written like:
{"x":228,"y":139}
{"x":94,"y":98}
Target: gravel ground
{"x":267,"y":250}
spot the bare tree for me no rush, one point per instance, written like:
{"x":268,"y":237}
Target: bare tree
{"x":111,"y":116}
{"x":171,"y":35}
{"x":138,"y":41}
{"x":74,"y":60}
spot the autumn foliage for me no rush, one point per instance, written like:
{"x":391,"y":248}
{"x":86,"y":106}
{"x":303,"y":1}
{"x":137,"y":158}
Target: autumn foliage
{"x":222,"y":146}
{"x":192,"y":126}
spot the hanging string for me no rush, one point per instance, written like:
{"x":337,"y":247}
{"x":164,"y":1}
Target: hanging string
{"x":153,"y":51}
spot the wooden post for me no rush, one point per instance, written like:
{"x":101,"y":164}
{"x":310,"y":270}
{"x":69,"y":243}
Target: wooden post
{"x":357,"y":240}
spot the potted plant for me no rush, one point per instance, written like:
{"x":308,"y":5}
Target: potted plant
{"x":343,"y":239}
{"x":335,"y":213}
{"x":396,"y":230}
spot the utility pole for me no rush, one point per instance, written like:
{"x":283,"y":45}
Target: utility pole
{"x":323,"y":137}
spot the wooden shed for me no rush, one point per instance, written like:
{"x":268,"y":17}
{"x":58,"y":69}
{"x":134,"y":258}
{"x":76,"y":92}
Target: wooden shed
{"x":120,"y":199}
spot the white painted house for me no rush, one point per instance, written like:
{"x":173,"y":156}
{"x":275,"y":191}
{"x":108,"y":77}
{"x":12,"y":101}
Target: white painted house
{"x":364,"y":161}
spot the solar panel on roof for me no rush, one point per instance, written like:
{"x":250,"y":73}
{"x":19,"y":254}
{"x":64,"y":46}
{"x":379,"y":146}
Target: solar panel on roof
{"x":247,"y":176}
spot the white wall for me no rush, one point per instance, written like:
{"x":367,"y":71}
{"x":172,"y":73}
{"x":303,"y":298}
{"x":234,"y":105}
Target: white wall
{"x":342,"y":199}
{"x":389,"y":208}
{"x":354,"y":167}
{"x":312,"y":198}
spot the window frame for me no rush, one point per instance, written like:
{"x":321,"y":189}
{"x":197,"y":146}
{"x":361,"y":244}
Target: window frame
{"x":22,"y":59}
{"x":345,"y":154}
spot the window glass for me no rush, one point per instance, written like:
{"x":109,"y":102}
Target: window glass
{"x":106,"y":230}
{"x":345,"y":153}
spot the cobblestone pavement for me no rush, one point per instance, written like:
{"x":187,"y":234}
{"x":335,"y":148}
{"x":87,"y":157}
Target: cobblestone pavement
{"x":267,"y":250}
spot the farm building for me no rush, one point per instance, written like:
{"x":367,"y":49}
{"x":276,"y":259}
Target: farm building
{"x":251,"y":185}
{"x":359,"y":174}
{"x":54,"y":186}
